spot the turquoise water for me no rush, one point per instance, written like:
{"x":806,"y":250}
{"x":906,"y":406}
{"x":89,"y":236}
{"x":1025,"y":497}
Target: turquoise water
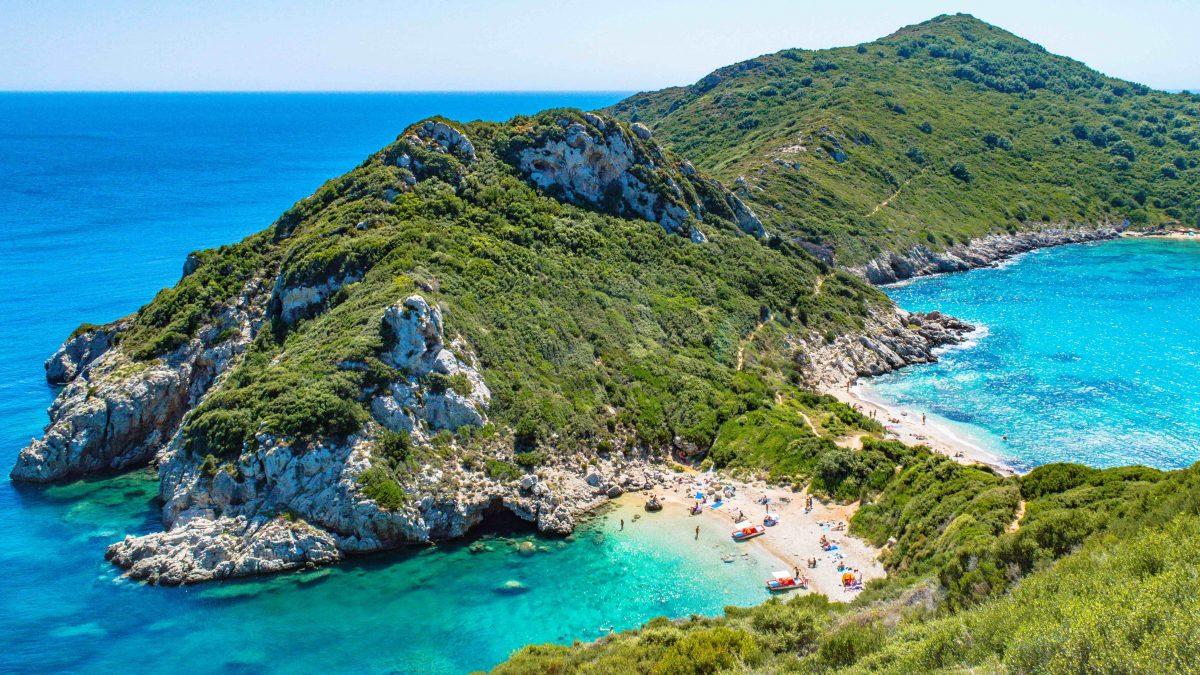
{"x":1090,"y":353}
{"x":101,"y":197}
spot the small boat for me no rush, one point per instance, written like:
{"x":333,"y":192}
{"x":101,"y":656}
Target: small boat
{"x":784,"y":581}
{"x":748,"y":532}
{"x":653,"y":504}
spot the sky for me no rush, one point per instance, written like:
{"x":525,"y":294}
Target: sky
{"x":525,"y":45}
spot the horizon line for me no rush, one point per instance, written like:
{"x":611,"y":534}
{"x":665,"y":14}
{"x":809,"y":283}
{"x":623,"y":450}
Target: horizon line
{"x":319,"y":91}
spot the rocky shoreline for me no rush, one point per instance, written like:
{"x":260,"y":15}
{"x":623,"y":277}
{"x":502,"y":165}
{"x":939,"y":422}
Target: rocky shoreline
{"x":892,"y":339}
{"x":986,"y":251}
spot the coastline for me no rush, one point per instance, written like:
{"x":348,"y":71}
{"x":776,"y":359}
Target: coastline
{"x":905,"y":425}
{"x":919,"y":261}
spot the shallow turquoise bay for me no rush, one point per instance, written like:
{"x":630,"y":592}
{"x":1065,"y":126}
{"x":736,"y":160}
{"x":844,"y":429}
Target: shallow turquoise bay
{"x":1089,"y":353}
{"x":104,"y":195}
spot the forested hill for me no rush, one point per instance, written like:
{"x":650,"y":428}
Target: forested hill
{"x":941,"y":132}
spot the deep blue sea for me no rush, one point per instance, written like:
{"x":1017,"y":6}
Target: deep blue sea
{"x":1088,"y":353}
{"x":101,"y":197}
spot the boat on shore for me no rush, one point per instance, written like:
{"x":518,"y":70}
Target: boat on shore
{"x":749,"y":532}
{"x":784,"y":581}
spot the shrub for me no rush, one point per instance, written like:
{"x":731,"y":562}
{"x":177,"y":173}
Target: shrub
{"x":846,"y":645}
{"x":395,"y":447}
{"x":500,"y":470}
{"x":377,"y":483}
{"x":996,"y":141}
{"x":529,"y":459}
{"x":707,"y":652}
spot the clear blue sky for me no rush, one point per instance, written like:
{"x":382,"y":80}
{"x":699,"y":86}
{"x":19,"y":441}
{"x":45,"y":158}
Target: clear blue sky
{"x":526,"y":45}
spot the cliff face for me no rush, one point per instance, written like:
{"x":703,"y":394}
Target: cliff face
{"x":620,"y":170}
{"x":984,"y":252}
{"x":115,"y":412}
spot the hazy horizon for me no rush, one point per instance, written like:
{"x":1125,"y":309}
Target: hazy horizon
{"x":371,"y":46}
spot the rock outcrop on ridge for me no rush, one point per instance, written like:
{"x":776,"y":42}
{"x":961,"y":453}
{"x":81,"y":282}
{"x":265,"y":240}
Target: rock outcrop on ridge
{"x":618,"y":169}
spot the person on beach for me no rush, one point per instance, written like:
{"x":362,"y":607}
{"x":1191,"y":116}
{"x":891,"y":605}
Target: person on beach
{"x":922,"y":418}
{"x":622,"y":524}
{"x":697,"y":533}
{"x":796,"y":569}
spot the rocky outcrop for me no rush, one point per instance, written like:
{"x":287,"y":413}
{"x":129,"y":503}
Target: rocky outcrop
{"x":921,"y":260}
{"x":892,"y":339}
{"x":597,"y":162}
{"x":442,"y":388}
{"x":204,"y":550}
{"x":431,"y":148}
{"x":79,"y":351}
{"x":445,"y":138}
{"x":293,"y":302}
{"x":109,"y":422}
{"x":117,"y":413}
{"x":228,"y":523}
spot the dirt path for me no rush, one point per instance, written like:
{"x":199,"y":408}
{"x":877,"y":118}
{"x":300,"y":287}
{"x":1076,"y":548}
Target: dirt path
{"x":1016,"y":523}
{"x":741,"y":352}
{"x":810,"y":424}
{"x":895,"y":194}
{"x":853,"y":441}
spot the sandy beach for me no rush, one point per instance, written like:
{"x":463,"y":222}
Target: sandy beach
{"x":790,"y":543}
{"x":908,"y":425}
{"x":1187,"y":234}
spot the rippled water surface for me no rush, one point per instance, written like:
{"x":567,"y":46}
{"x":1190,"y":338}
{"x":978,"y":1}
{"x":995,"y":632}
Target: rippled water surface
{"x":1090,"y":353}
{"x":103,"y":196}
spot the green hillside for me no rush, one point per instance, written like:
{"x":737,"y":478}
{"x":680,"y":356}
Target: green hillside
{"x":938,"y":133}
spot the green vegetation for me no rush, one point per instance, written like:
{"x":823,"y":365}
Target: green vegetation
{"x":378,"y":484}
{"x":500,"y":470}
{"x":965,"y":128}
{"x":785,"y":441}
